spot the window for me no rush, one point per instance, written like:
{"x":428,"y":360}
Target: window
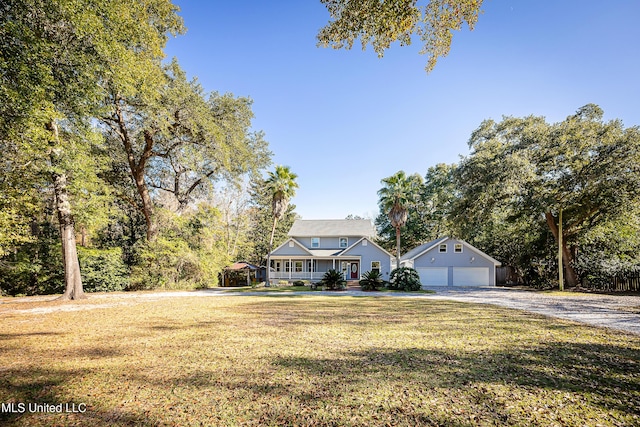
{"x":442,"y":248}
{"x":457,"y":248}
{"x":315,"y":242}
{"x":375,"y":266}
{"x":297,"y":266}
{"x":278,"y":266}
{"x":311,"y":265}
{"x":287,"y":266}
{"x":344,"y":242}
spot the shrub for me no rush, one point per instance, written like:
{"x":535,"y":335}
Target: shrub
{"x":299,"y":283}
{"x":103,"y":270}
{"x":333,"y":280}
{"x":405,"y":279}
{"x":371,"y":281}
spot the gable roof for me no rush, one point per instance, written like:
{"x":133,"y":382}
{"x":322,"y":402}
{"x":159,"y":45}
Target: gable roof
{"x":415,"y":252}
{"x":370,"y":242}
{"x":296,"y":243}
{"x":332,"y":228}
{"x":242,"y":266}
{"x":420,"y":250}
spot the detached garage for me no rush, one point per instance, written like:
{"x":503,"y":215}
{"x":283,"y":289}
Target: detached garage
{"x":451,"y":262}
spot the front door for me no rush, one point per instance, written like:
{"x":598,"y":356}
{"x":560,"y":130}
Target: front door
{"x":354,"y":271}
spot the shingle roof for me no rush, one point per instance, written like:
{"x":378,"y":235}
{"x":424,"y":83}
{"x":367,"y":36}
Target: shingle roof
{"x":418,"y":250}
{"x":332,"y":228}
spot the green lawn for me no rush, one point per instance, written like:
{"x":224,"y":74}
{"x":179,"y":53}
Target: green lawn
{"x":312,"y":360}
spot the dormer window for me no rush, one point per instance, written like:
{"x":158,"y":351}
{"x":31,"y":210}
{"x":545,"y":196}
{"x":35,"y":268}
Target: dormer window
{"x":315,"y":242}
{"x":344,"y":242}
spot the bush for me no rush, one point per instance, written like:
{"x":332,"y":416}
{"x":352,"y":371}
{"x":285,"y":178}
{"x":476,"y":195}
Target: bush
{"x":34,"y":268}
{"x":372,"y":281}
{"x":103,"y":270}
{"x":299,"y":283}
{"x":333,"y":280}
{"x":405,"y":279}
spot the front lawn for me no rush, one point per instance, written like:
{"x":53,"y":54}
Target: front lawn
{"x":311,"y":360}
{"x":282,"y":288}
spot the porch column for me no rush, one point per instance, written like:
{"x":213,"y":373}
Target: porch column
{"x":290,"y":267}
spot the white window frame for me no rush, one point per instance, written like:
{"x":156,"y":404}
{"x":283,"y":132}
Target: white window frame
{"x":298,"y":266}
{"x":317,"y":244}
{"x":277,"y":265}
{"x":379,"y":267}
{"x":346,"y":242}
{"x":442,"y":246}
{"x":457,"y":248}
{"x":287,"y":266}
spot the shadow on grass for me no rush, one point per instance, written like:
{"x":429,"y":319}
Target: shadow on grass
{"x":23,"y":335}
{"x":40,"y":386}
{"x":608,"y":374}
{"x":377,"y":362}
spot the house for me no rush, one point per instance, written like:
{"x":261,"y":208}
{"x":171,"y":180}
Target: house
{"x":317,"y":246}
{"x":451,"y":262}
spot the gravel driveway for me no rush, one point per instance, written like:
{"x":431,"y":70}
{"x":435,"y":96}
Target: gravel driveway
{"x":616,"y":312}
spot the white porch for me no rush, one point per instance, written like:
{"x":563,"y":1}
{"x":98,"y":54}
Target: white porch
{"x":313,"y":268}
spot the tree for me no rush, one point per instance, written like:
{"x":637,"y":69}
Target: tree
{"x":261,"y":219}
{"x":398,"y":193}
{"x":523,"y":171}
{"x":428,"y":214}
{"x":281,"y":184}
{"x":381,"y":23}
{"x":176,"y":141}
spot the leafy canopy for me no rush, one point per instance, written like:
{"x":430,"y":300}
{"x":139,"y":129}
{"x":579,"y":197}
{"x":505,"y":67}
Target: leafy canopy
{"x":380,"y":23}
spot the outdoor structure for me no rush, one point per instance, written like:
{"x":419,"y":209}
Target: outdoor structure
{"x":451,"y":262}
{"x":317,"y":246}
{"x":239,"y":274}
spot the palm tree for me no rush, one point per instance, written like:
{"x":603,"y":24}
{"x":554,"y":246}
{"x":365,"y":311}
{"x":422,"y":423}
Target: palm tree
{"x":282,"y":185}
{"x":396,"y":195}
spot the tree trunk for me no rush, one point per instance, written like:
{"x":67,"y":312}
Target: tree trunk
{"x":137,"y":168}
{"x":273,"y":231}
{"x":72,"y":277}
{"x":147,"y":205}
{"x":397,"y":247}
{"x":567,"y":256}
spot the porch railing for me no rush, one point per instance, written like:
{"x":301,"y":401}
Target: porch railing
{"x":297,"y":275}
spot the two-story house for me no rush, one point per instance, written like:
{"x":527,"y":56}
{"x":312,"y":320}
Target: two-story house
{"x":317,"y":246}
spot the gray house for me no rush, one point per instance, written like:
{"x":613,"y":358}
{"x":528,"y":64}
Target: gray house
{"x":316,"y":246}
{"x":451,"y":262}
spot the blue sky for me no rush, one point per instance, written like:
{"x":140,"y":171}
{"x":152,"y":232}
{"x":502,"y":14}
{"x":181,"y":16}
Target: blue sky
{"x":343,"y":120}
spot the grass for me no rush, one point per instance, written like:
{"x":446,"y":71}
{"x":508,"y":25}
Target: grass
{"x":248,"y":289}
{"x":312,"y":360}
{"x":278,"y":288}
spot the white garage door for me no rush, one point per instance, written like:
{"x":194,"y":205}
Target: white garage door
{"x":433,"y":276}
{"x":470,"y":276}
